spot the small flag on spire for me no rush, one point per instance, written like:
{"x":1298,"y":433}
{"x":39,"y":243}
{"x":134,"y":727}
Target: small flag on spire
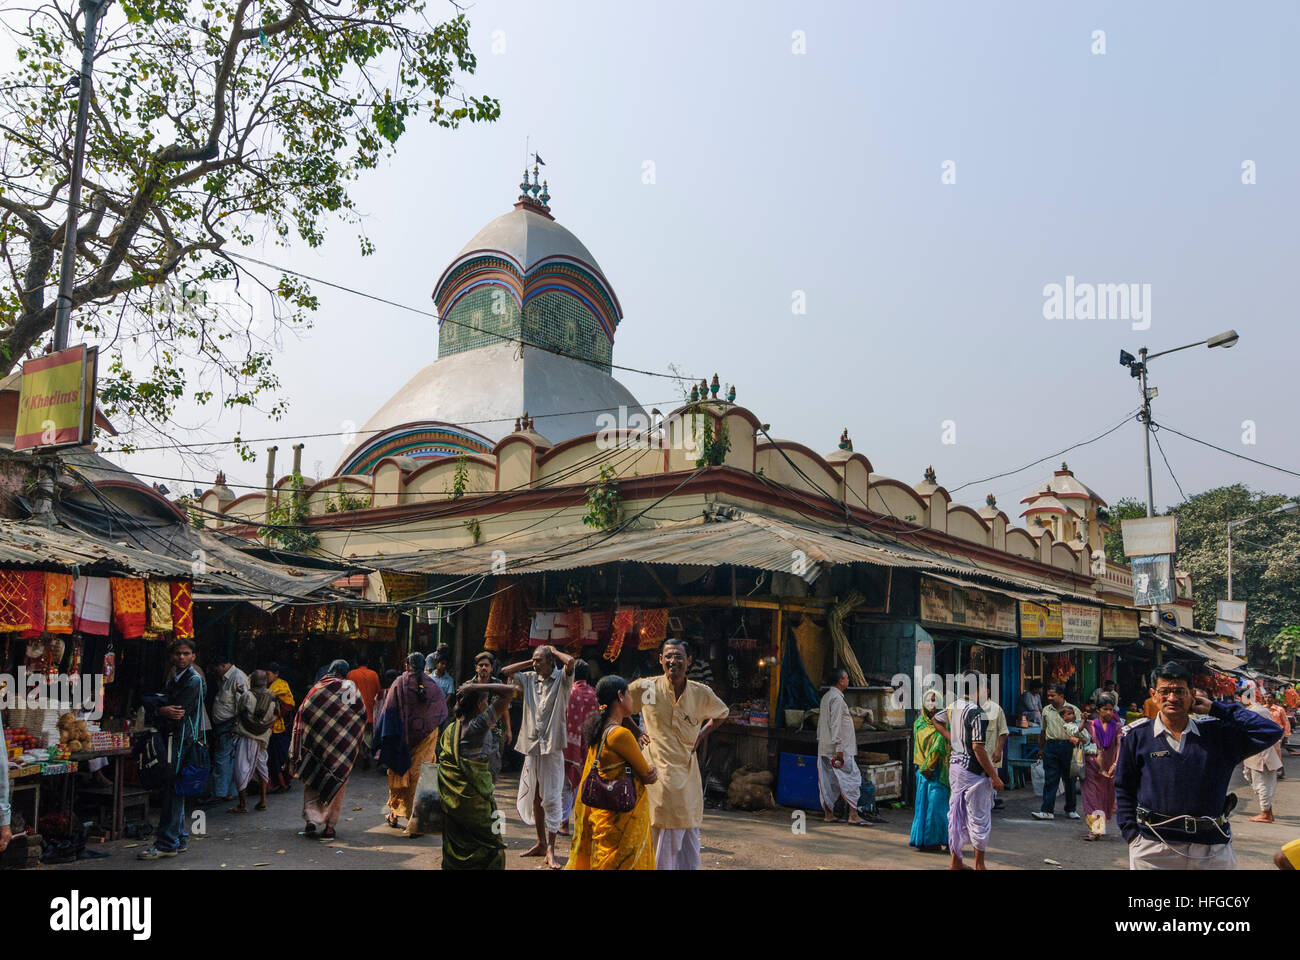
{"x":537,"y":158}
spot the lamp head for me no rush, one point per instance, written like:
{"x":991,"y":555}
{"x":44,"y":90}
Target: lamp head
{"x":1226,"y":339}
{"x":1126,"y":358}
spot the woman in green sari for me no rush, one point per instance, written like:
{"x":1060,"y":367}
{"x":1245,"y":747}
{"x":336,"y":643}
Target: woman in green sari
{"x":930,"y":823}
{"x":468,"y":752}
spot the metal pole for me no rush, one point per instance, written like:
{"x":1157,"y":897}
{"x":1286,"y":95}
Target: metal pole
{"x":1229,"y":558}
{"x":1146,"y":436}
{"x":63,"y":310}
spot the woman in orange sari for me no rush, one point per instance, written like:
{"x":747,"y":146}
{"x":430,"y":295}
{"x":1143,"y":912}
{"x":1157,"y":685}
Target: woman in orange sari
{"x":609,"y":839}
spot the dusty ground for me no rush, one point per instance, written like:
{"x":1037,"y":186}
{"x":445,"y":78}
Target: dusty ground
{"x":732,"y":839}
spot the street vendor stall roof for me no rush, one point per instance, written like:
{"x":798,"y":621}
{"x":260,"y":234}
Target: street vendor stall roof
{"x":1199,"y":645}
{"x":741,"y":538}
{"x":182,"y":554}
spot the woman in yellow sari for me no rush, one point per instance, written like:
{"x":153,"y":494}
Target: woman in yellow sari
{"x":608,"y":839}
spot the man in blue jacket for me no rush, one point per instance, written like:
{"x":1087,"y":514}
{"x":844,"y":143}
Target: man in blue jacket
{"x":1171,"y":785}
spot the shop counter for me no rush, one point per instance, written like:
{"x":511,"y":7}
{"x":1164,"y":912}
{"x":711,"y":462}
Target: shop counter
{"x":760,"y":747}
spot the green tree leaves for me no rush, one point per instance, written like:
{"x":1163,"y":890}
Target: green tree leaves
{"x":215,"y":125}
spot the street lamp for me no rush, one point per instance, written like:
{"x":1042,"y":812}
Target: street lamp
{"x":1137,"y":367}
{"x":1291,"y":507}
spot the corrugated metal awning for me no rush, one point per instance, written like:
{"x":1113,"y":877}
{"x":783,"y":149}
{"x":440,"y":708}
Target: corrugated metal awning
{"x":744,"y":539}
{"x":1199,"y":647}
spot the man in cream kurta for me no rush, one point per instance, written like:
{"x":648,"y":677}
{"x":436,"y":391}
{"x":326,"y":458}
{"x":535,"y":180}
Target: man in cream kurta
{"x":837,"y":746}
{"x":677,"y":714}
{"x":1261,"y":769}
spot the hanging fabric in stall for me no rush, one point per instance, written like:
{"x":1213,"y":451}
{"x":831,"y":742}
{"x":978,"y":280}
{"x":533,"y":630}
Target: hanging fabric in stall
{"x":624,"y":618}
{"x":128,"y":606}
{"x":58,"y":603}
{"x":34,"y":587}
{"x":22,"y":600}
{"x":182,"y":609}
{"x":653,"y":628}
{"x":507,"y":617}
{"x":159,"y":595}
{"x":92,"y":605}
{"x":813,"y":648}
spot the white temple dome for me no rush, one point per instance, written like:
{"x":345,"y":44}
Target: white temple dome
{"x":527,"y":327}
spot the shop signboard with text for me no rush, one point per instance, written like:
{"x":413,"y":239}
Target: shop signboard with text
{"x":1080,"y":623}
{"x":56,"y":399}
{"x":1119,"y":624}
{"x":1040,"y":621}
{"x":946,"y":604}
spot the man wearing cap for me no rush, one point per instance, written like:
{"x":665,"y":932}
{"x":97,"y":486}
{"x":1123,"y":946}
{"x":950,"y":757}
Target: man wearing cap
{"x":1171,"y":782}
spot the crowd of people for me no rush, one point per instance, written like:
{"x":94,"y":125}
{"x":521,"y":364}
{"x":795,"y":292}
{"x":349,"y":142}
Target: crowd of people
{"x":630,"y":797}
{"x":1162,"y":778}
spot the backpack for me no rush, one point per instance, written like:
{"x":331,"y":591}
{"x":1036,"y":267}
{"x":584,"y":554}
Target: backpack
{"x":257,"y":722}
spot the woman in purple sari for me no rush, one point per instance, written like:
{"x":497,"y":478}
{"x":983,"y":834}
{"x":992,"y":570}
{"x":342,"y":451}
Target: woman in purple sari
{"x":1099,"y":768}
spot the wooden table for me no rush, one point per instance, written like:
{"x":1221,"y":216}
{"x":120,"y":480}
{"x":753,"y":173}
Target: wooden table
{"x":118,"y":827}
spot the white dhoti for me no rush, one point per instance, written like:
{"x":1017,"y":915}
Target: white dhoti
{"x":1264,"y":783}
{"x":970,"y":809}
{"x":1147,"y":854}
{"x":845,"y":782}
{"x":677,"y":849}
{"x":250,"y":756}
{"x":544,"y":774}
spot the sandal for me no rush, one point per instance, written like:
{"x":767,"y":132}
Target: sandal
{"x":327,"y":833}
{"x":391,"y":820}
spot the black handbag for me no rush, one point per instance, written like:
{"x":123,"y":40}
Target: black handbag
{"x":150,"y":755}
{"x":617,"y":795}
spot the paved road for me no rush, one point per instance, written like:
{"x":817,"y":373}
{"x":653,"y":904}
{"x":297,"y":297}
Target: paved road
{"x":732,"y":839}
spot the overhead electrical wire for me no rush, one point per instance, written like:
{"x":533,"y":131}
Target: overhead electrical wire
{"x":1155,"y":435}
{"x":378,"y":299}
{"x":1051,"y":456}
{"x":1231,"y":453}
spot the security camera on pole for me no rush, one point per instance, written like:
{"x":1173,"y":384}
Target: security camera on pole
{"x":1151,"y":543}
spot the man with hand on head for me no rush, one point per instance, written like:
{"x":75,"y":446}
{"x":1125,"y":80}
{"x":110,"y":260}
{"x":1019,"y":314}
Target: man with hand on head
{"x":542,"y":738}
{"x":1171,"y":782}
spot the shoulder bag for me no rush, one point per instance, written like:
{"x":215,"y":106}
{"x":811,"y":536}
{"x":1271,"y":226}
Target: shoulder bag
{"x":616,"y":795}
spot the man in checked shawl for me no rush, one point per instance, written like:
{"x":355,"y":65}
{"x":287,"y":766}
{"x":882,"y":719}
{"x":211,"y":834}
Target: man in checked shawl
{"x":327,"y":736}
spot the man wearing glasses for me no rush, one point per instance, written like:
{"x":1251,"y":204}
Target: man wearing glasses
{"x":1171,"y":784}
{"x":678,"y":714}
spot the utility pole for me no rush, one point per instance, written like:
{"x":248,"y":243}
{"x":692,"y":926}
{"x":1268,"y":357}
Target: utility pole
{"x":1146,"y":424}
{"x":85,"y":88}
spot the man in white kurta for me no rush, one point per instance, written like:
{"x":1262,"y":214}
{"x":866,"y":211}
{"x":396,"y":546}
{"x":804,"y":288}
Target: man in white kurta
{"x":837,"y":747}
{"x":677,"y":714}
{"x":542,"y":737}
{"x":1261,"y":770}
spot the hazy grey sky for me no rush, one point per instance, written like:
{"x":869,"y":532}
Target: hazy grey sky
{"x":777,"y":171}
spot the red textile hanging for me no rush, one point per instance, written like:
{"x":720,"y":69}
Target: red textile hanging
{"x":624,"y":617}
{"x":128,"y":606}
{"x":22,"y":601}
{"x":182,"y":609}
{"x":653,"y":629}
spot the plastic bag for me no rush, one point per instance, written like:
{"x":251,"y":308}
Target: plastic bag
{"x":1096,"y":823}
{"x":1037,"y":777}
{"x":426,"y":809}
